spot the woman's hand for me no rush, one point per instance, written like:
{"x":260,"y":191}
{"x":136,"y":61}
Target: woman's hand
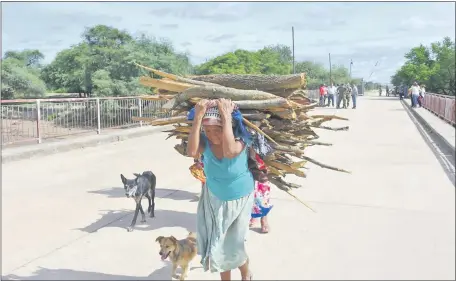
{"x":200,"y":109}
{"x":225,"y":107}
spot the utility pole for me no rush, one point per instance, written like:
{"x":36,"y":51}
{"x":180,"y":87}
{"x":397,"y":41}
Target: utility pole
{"x":351,"y":63}
{"x":292,"y":38}
{"x":330,"y":69}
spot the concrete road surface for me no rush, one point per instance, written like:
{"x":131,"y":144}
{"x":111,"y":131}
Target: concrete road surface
{"x":64,"y":215}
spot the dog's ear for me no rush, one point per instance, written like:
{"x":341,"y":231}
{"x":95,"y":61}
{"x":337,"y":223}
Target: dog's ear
{"x":159,"y":239}
{"x":124,"y":180}
{"x":173,"y":239}
{"x":137,"y":175}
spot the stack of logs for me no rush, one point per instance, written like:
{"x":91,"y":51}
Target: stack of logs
{"x":274,"y":106}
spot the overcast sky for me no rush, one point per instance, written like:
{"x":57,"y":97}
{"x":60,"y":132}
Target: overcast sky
{"x":365,"y":32}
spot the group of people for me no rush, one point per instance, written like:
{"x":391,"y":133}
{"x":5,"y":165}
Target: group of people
{"x":235,"y":191}
{"x":341,"y":93}
{"x":416,"y":93}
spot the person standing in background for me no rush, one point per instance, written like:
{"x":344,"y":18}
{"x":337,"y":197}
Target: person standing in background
{"x":322,"y":94}
{"x":415,"y":93}
{"x":354,"y":94}
{"x":347,"y":96}
{"x":421,"y":97}
{"x":404,"y":91}
{"x":331,"y":93}
{"x":340,"y":94}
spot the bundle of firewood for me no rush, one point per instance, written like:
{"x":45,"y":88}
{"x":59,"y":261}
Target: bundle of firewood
{"x":274,"y":106}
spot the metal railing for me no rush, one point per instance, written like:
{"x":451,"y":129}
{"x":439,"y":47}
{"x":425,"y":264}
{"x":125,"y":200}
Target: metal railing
{"x":41,"y":119}
{"x":442,"y":106}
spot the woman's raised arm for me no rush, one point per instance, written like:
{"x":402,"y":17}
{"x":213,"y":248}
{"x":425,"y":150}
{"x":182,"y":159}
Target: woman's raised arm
{"x":231,"y":147}
{"x":194,"y":147}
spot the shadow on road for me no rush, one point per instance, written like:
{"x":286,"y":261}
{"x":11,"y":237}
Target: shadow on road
{"x":163,"y":273}
{"x":119,"y":192}
{"x":163,"y":218}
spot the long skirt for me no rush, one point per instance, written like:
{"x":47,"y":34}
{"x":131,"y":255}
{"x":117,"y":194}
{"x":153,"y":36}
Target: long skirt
{"x":222,"y":227}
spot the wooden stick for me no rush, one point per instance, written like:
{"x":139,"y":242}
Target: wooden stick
{"x":168,"y":85}
{"x":175,"y":77}
{"x":323,"y":165}
{"x":345,"y":128}
{"x":300,"y":201}
{"x":328,"y":116}
{"x":252,"y":126}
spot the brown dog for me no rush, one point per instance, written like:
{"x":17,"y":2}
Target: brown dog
{"x":180,"y":252}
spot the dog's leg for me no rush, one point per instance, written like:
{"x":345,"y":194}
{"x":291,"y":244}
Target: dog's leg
{"x":152,"y":207}
{"x":173,"y":272}
{"x":142,"y":213}
{"x":149,"y":208}
{"x":133,"y":222}
{"x":184,"y":272}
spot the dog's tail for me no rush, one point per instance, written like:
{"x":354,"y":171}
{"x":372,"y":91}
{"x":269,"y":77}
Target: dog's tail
{"x":192,"y":235}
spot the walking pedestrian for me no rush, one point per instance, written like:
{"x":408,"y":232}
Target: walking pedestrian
{"x":225,"y":206}
{"x":354,"y":94}
{"x":414,"y":94}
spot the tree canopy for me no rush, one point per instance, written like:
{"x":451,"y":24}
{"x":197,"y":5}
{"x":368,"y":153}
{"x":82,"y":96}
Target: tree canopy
{"x":432,"y":65}
{"x":20,"y":74}
{"x":101,"y":64}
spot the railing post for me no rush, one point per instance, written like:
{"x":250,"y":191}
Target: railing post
{"x":38,"y":121}
{"x":140,"y":112}
{"x":98,"y":116}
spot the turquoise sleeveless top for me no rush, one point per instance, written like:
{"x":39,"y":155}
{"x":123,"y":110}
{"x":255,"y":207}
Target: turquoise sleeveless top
{"x":228,"y":179}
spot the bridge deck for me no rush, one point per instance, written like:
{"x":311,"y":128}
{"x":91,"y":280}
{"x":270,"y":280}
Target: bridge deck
{"x":64,"y":215}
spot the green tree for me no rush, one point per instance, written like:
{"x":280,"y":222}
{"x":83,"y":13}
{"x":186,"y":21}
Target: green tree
{"x":20,"y":75}
{"x":433,"y":66}
{"x":102,"y":64}
{"x":269,"y":60}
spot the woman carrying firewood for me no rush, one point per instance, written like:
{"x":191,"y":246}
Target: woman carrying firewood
{"x":225,"y":206}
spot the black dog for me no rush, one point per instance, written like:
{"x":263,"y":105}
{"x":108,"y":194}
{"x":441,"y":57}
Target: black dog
{"x":142,"y":186}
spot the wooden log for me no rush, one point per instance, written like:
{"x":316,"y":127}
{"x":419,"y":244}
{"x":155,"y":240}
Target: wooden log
{"x":286,"y":113}
{"x":284,"y":93}
{"x":329,"y":117}
{"x":278,"y":103}
{"x":251,"y":82}
{"x":175,"y":77}
{"x":255,"y":116}
{"x":216,"y":93}
{"x":168,"y":85}
{"x":262,"y":104}
{"x":285,"y":168}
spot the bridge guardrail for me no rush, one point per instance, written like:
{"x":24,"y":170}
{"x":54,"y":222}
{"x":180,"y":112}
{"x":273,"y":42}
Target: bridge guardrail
{"x":28,"y":120}
{"x":442,"y":106}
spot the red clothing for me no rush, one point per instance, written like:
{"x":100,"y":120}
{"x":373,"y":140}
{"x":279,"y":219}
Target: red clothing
{"x":323,"y":90}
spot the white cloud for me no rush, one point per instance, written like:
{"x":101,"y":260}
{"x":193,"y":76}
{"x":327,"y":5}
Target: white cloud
{"x":366,"y":32}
